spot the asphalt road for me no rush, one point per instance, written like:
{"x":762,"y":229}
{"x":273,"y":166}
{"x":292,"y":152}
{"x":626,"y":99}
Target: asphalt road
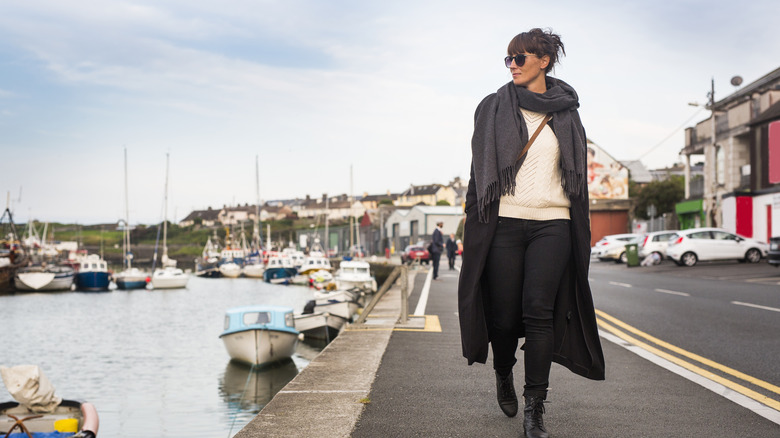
{"x":423,"y":386}
{"x":727,"y":312}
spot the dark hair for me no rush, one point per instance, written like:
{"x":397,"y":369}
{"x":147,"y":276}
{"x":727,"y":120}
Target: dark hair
{"x":538,"y":42}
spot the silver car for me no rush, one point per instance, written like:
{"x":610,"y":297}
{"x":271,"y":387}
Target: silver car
{"x":656,"y":242}
{"x":613,"y":247}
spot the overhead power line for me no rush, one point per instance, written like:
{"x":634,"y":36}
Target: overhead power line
{"x":672,"y":133}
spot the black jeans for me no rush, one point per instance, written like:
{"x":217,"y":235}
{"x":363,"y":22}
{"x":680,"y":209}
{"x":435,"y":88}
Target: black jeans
{"x":524,"y":268}
{"x":436,"y":256}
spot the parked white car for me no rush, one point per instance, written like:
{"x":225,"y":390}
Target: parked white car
{"x":696,"y":244}
{"x":613,"y":247}
{"x":656,"y":241}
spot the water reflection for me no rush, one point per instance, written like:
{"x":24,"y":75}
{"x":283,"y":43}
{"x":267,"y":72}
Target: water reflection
{"x":246,"y":388}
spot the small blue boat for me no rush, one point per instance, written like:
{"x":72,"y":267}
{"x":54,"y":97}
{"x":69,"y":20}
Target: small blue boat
{"x":93,"y":274}
{"x":259,"y":335}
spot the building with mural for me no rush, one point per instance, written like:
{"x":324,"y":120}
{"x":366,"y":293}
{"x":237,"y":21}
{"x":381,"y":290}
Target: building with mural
{"x":608,"y":193}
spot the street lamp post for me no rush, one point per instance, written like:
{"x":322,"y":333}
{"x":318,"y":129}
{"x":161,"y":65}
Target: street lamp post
{"x":710,"y":106}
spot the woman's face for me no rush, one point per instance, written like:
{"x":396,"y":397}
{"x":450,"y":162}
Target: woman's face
{"x":531,"y":74}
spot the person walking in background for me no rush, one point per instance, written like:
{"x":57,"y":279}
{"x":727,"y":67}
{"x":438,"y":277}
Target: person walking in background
{"x":437,"y":247}
{"x":452,"y":249}
{"x":526,"y":254}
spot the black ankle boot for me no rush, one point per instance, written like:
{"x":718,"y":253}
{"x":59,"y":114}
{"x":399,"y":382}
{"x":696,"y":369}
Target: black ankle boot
{"x":505,"y":391}
{"x":533,"y":425}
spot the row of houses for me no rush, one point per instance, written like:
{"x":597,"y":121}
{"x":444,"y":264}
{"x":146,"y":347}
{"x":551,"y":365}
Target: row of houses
{"x":333,"y":207}
{"x":740,"y":143}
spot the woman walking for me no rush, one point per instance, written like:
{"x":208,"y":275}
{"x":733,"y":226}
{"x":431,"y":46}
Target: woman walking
{"x":527,"y":232}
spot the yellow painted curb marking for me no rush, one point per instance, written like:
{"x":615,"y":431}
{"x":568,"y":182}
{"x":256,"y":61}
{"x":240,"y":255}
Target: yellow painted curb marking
{"x":774,"y":404}
{"x":432,"y":324}
{"x":696,"y":357}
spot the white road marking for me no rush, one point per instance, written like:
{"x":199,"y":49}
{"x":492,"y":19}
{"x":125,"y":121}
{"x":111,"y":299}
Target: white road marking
{"x":323,"y":391}
{"x":671,"y":292}
{"x":420,"y":309}
{"x":747,"y":402}
{"x":739,"y":303}
{"x":615,"y":283}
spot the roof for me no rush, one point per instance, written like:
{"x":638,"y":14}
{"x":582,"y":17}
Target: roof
{"x":749,"y":89}
{"x":392,"y":196}
{"x":429,"y":189}
{"x":637,"y":171}
{"x":208,"y":215}
{"x":772,"y":113}
{"x":440,"y":209}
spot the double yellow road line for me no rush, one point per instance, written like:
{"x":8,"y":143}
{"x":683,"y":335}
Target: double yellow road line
{"x":622,"y":330}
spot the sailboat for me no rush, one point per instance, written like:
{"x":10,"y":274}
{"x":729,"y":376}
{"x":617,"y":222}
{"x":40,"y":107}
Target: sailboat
{"x":254,"y":266}
{"x":130,"y":278}
{"x":168,"y":276}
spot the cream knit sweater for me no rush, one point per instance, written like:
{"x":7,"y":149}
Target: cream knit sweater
{"x":539,"y":194}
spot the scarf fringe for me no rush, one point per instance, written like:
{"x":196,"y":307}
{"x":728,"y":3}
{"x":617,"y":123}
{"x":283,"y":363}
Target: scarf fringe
{"x":495,"y":190}
{"x":572,"y":183}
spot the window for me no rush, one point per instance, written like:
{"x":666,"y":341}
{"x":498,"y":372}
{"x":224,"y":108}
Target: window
{"x":289,"y":320}
{"x":663,"y":237}
{"x":227,"y":321}
{"x":720,"y":164}
{"x":700,"y":235}
{"x":251,"y":318}
{"x":720,"y":235}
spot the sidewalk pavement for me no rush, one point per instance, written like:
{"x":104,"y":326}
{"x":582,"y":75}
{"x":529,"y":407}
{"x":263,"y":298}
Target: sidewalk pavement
{"x":377,"y":382}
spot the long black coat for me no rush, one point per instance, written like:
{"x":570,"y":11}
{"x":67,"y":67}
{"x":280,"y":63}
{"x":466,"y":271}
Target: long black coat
{"x":576,"y":341}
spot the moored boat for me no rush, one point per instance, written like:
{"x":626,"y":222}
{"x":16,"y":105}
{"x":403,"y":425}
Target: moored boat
{"x":279,"y":267}
{"x":230,"y":270}
{"x":49,"y":278}
{"x":316,"y":324}
{"x":92,"y":274}
{"x":315,"y":261}
{"x":37,"y":412}
{"x":341,"y":303}
{"x":254,"y":270}
{"x":169,"y":277}
{"x":131,"y":278}
{"x":259,"y":335}
{"x":355,"y":274}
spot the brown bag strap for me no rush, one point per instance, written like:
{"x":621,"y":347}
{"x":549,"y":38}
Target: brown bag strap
{"x":536,"y":134}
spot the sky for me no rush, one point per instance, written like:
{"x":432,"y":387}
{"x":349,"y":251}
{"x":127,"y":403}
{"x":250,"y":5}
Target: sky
{"x":333,"y":97}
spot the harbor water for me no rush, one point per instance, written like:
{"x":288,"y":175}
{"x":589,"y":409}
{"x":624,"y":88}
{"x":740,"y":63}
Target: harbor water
{"x":150,"y":361}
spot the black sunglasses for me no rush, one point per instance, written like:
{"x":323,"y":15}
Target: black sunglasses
{"x":519,"y":60}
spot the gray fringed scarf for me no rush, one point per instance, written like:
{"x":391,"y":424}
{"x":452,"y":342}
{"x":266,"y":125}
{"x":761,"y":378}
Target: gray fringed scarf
{"x":500,"y":133}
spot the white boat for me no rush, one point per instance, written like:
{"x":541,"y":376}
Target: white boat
{"x":295,"y":256}
{"x":340,"y":303}
{"x":319,"y":325}
{"x":355,"y":274}
{"x":130,"y":277}
{"x":50,"y":278}
{"x":260,"y":334}
{"x":254,"y":270}
{"x":230,"y":270}
{"x":169,"y":276}
{"x":315,"y":261}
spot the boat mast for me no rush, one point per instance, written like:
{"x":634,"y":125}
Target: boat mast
{"x":126,"y":241}
{"x":256,"y":237}
{"x":351,"y":214}
{"x":164,"y":258}
{"x":327,"y":216}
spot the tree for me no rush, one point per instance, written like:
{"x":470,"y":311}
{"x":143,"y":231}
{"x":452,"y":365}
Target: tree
{"x":442,"y":202}
{"x":662,"y":194}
